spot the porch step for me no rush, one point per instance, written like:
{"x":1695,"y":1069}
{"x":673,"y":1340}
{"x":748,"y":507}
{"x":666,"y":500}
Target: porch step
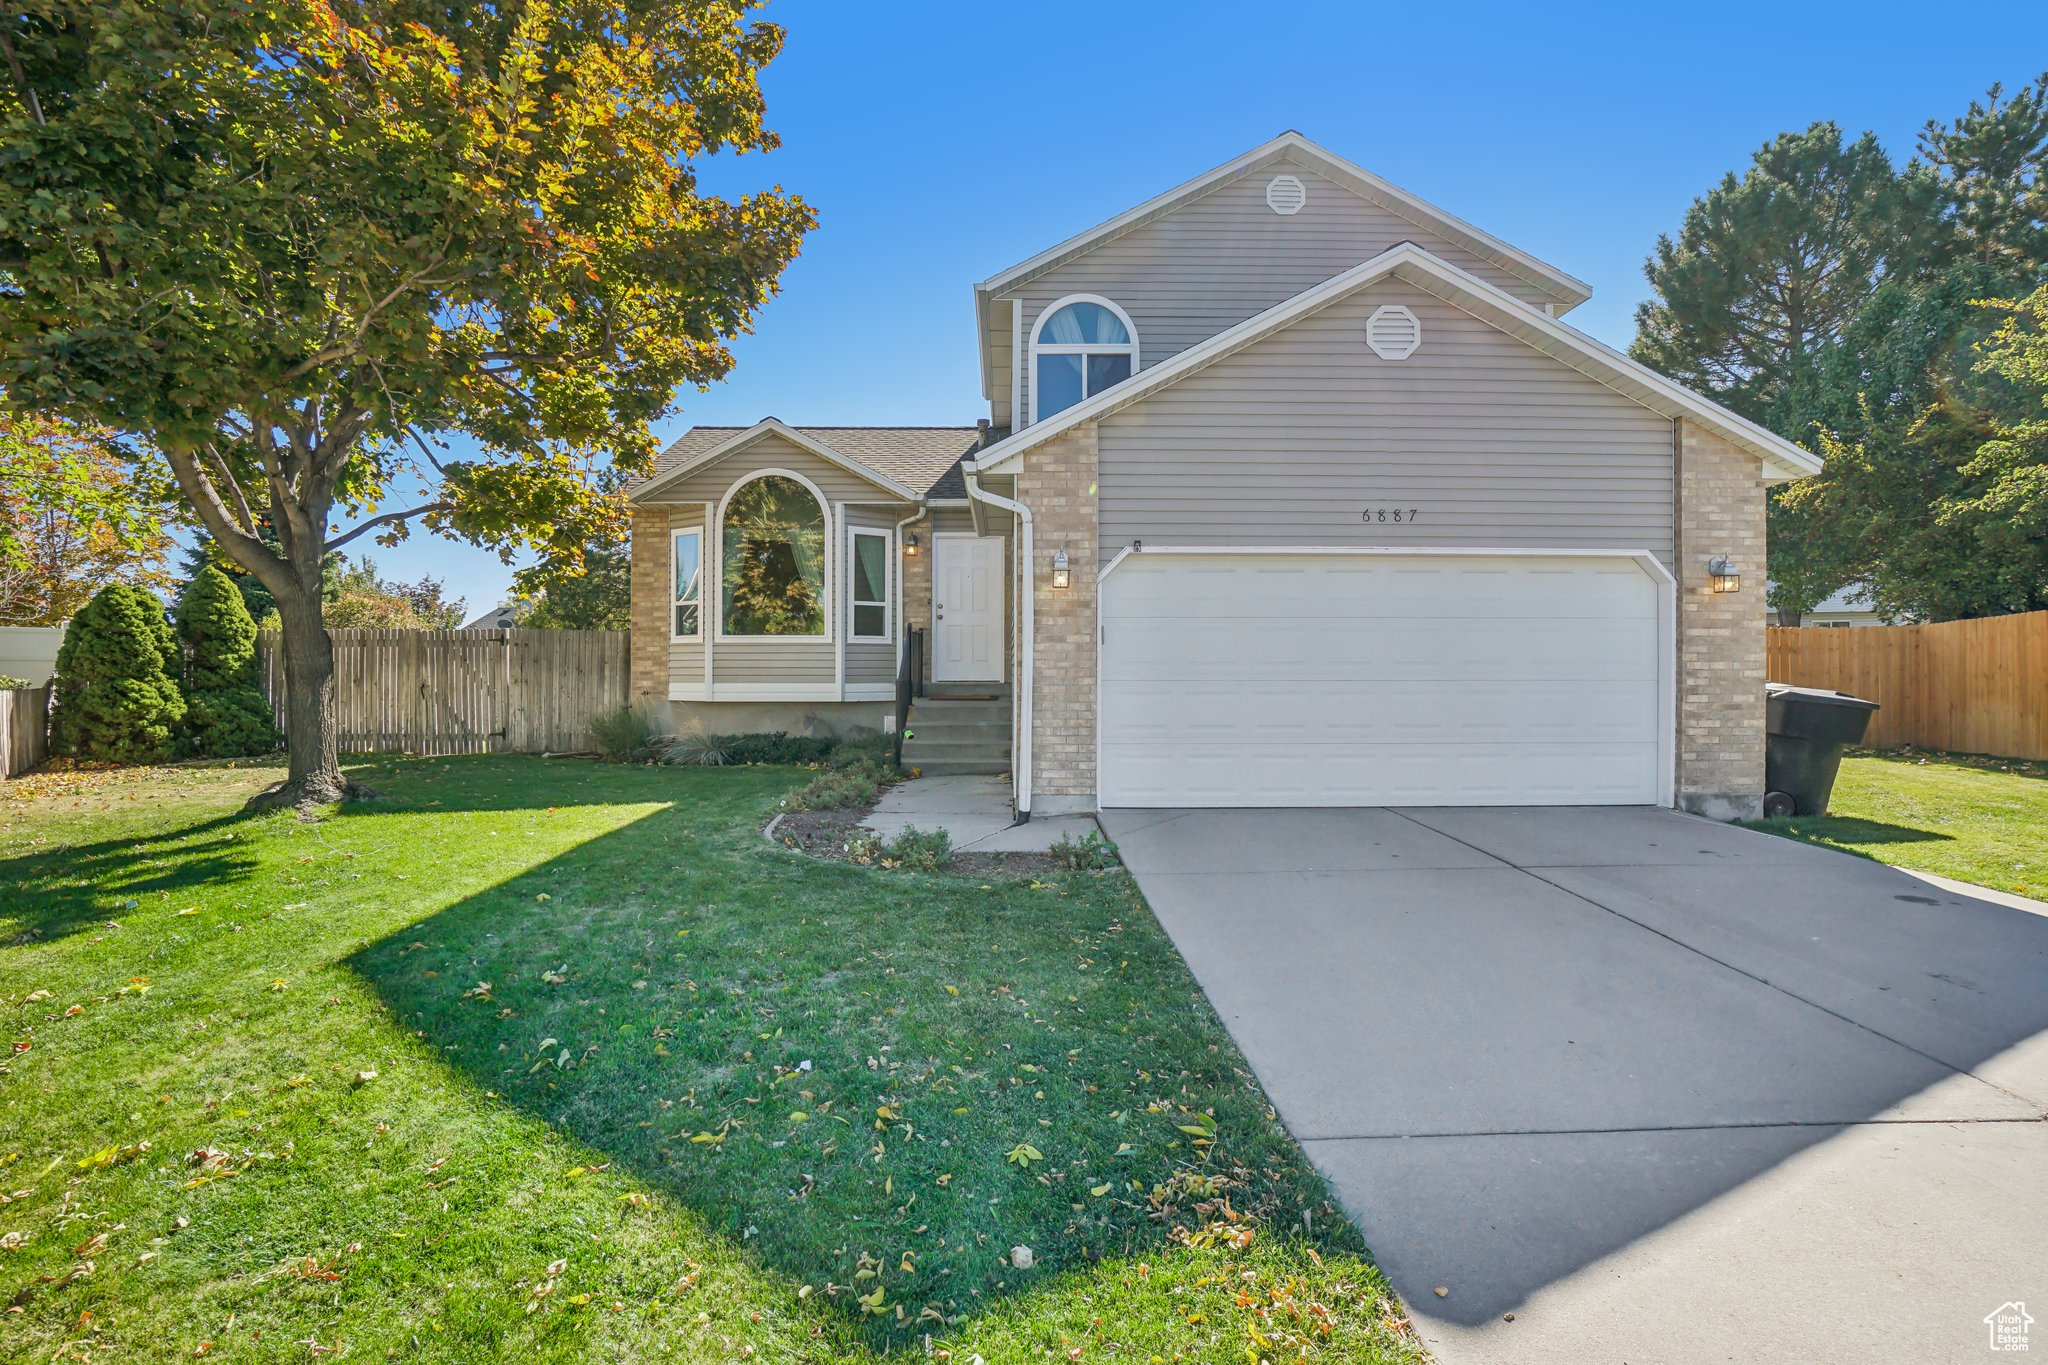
{"x":940,"y":725}
{"x":957,"y":691}
{"x":953,"y":767}
{"x":958,"y":735}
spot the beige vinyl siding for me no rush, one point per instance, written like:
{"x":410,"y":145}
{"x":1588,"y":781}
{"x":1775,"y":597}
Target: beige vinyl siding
{"x":779,"y":663}
{"x":1289,"y":441}
{"x":711,"y":482}
{"x":1217,"y":260}
{"x":685,"y":658}
{"x":999,"y":325}
{"x":775,"y":661}
{"x":870,"y":664}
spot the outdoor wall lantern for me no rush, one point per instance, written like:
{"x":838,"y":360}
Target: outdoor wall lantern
{"x":1061,"y":578}
{"x":1723,"y":576}
{"x":910,"y":545}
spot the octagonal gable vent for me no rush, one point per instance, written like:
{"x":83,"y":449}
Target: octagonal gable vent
{"x":1286,"y":194}
{"x":1393,"y":332}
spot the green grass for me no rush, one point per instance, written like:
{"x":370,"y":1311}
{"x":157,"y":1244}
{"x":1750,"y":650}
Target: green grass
{"x":588,"y":995}
{"x":1979,"y":820}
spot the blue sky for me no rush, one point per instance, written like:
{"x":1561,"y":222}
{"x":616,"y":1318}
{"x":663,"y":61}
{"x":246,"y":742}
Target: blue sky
{"x":942,"y":142}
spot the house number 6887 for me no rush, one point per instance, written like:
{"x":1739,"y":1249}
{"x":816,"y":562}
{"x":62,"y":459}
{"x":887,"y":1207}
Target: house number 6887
{"x":1388,"y":514}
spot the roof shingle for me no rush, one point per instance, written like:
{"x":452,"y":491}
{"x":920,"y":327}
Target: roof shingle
{"x":916,"y":457}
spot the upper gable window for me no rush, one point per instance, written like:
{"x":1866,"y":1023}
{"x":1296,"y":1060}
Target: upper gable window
{"x":1083,"y":346}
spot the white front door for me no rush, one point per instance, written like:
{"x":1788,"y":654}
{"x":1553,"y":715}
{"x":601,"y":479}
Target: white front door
{"x":967,"y":608}
{"x":1369,"y":680}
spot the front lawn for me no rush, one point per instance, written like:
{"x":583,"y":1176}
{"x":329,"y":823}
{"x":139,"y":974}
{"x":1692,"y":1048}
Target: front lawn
{"x":1981,"y":820}
{"x":542,"y":1060}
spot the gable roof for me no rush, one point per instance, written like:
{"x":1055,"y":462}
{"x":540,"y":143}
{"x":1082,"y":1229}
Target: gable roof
{"x":1781,"y":458}
{"x":1292,"y":146}
{"x":902,"y":461}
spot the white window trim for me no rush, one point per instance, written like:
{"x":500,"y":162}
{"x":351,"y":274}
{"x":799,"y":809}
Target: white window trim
{"x":891,"y":577}
{"x":827,"y":589}
{"x":1082,"y":348}
{"x":674,"y":534}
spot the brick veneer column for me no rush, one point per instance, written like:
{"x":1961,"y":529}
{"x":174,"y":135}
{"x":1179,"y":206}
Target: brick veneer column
{"x":647,"y":657}
{"x":917,"y":587}
{"x":1057,"y":483}
{"x":1720,"y":635}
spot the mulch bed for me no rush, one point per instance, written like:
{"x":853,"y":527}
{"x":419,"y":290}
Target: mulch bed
{"x":824,"y":833}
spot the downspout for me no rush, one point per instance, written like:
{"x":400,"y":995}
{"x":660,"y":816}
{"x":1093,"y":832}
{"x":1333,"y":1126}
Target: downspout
{"x":1021,"y":722}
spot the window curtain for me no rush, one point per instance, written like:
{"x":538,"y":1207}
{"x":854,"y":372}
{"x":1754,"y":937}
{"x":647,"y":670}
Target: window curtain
{"x":1083,"y":324}
{"x":773,"y":571}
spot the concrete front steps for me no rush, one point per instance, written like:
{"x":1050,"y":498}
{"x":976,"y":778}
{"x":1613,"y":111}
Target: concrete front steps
{"x":963,"y":729}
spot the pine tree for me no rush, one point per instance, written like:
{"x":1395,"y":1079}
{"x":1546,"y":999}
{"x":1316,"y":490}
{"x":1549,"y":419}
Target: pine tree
{"x":116,"y":697}
{"x":206,"y":551}
{"x":227,"y":716}
{"x":1769,"y":269}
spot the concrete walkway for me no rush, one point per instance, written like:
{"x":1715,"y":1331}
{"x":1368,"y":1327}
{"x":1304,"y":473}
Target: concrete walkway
{"x":1665,"y":1090}
{"x":975,"y":811}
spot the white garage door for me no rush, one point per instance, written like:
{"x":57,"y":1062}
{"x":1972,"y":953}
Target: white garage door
{"x":1364,"y":680}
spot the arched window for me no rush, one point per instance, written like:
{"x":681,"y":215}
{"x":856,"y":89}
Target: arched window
{"x":772,"y":565}
{"x":1083,"y":345}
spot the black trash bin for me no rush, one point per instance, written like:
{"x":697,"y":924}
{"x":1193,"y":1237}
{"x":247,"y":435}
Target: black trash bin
{"x":1806,"y":729}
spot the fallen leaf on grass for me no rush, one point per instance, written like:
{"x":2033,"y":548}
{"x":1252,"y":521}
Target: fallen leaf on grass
{"x":114,"y":1156}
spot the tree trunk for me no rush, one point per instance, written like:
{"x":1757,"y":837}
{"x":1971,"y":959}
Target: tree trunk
{"x":292,"y":573}
{"x":311,"y":733}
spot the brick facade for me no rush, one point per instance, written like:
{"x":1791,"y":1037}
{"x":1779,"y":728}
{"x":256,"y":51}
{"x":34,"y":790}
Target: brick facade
{"x":1720,"y":635}
{"x":917,"y":586}
{"x":1057,"y":482}
{"x":647,"y":658}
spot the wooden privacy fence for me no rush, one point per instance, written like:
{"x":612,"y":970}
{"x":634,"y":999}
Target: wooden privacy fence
{"x":465,"y":691}
{"x":24,"y":729}
{"x":1974,"y":687}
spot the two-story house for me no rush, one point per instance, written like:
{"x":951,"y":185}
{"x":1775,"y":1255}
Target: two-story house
{"x":1294,"y":490}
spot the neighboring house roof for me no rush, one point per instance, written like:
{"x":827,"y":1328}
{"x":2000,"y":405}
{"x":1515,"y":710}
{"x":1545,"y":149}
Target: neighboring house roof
{"x":1851,"y":598}
{"x":504,"y":616}
{"x":1292,"y":146}
{"x":905,"y":461}
{"x":1782,"y":460}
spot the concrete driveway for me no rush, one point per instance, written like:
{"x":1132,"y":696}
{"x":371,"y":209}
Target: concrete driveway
{"x":1663,"y":1089}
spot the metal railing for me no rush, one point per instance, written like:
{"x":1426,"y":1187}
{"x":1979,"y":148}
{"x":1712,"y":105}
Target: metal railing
{"x":909,"y":681}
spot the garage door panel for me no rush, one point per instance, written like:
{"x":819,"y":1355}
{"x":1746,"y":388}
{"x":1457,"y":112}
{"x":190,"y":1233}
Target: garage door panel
{"x":1262,"y":650}
{"x":1326,"y":680}
{"x":1377,"y":775}
{"x":1158,"y":713}
{"x":1487,"y":587}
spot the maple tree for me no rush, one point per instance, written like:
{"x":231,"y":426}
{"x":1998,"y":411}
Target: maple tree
{"x":292,"y":246}
{"x":75,"y":515}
